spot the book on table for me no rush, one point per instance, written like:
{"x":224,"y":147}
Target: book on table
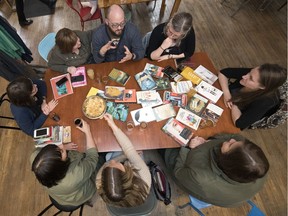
{"x":79,"y":77}
{"x":61,"y":86}
{"x":164,"y":111}
{"x":175,"y":99}
{"x":56,"y":137}
{"x":145,"y":81}
{"x":154,"y":70}
{"x":189,"y":74}
{"x":117,"y":110}
{"x":188,"y":118}
{"x":119,"y":76}
{"x":181,"y":87}
{"x":205,"y":74}
{"x":149,"y":98}
{"x":114,"y":92}
{"x":144,"y":114}
{"x":163,"y":84}
{"x":209,"y":91}
{"x":211,"y":114}
{"x":178,"y":131}
{"x":128,"y":97}
{"x":197,"y":104}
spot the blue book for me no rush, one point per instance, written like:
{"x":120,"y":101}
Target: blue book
{"x":145,"y":81}
{"x":118,"y":111}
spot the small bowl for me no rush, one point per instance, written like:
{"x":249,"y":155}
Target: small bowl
{"x":94,"y":107}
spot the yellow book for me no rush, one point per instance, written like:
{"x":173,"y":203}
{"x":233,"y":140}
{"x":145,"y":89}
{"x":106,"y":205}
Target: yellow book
{"x":188,"y":73}
{"x":92,"y":91}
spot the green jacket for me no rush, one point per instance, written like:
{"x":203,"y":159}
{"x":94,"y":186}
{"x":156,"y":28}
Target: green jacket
{"x":78,"y":186}
{"x":58,"y":61}
{"x":197,"y":173}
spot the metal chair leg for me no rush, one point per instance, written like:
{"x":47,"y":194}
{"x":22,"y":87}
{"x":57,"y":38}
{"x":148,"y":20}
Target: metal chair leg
{"x":44,"y":210}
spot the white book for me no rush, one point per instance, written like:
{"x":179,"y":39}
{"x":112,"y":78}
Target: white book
{"x":164,"y":112}
{"x":205,"y":74}
{"x":181,"y":87}
{"x":145,"y":114}
{"x":209,"y":91}
{"x":188,"y":118}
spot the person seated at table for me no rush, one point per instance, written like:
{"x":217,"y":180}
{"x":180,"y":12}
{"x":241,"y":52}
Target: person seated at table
{"x":123,"y":181}
{"x":254,"y":94}
{"x":72,"y":49}
{"x":224,"y":170}
{"x":173,"y":39}
{"x":68,"y":176}
{"x":28,"y":103}
{"x":117,"y":40}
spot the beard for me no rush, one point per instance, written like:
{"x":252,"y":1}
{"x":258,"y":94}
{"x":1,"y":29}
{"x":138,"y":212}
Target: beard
{"x":114,"y":33}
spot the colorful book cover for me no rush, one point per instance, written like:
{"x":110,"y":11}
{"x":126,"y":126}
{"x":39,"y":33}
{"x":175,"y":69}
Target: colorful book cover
{"x":163,"y":84}
{"x":209,"y":91}
{"x":145,"y":81}
{"x":114,"y":92}
{"x":154,"y":70}
{"x":188,"y":118}
{"x":164,"y":112}
{"x":118,"y":111}
{"x":175,"y":99}
{"x":61,"y":86}
{"x":144,"y":114}
{"x":181,"y":87}
{"x":55,"y":138}
{"x":119,"y":76}
{"x":212,"y":113}
{"x":197,"y":104}
{"x":206,"y":75}
{"x":79,"y":77}
{"x":92,"y":91}
{"x":179,"y":132}
{"x":188,"y":73}
{"x":129,"y":96}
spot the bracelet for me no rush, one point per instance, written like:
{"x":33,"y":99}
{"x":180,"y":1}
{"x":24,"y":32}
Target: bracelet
{"x":162,"y":48}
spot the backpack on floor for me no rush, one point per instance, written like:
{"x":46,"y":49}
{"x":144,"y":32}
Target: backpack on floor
{"x":160,"y":183}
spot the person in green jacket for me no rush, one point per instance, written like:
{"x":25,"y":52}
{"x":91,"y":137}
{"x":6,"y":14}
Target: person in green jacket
{"x":68,"y":176}
{"x":225,"y":170}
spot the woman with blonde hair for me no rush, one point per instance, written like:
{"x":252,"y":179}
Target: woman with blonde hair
{"x":174,"y":39}
{"x":123,"y":181}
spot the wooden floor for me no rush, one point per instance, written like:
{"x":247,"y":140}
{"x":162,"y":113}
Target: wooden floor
{"x":251,"y":38}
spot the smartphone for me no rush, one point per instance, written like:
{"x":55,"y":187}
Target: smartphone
{"x":115,"y":43}
{"x":77,"y":78}
{"x":61,"y":81}
{"x":41,"y":132}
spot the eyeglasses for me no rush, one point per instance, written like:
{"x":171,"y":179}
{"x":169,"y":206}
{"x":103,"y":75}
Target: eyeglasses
{"x":117,"y":25}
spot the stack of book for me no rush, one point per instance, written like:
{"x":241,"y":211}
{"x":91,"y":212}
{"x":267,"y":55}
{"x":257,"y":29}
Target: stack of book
{"x":54,"y":136}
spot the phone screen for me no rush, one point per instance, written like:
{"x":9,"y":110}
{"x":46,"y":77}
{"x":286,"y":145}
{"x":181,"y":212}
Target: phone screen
{"x":41,"y":132}
{"x":61,"y":81}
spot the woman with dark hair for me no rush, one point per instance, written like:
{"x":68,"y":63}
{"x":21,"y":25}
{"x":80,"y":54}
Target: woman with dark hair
{"x":72,"y":49}
{"x":225,"y":170}
{"x":28,"y":103}
{"x":174,"y":39}
{"x":68,"y":176}
{"x":124,"y":181}
{"x":254,"y":94}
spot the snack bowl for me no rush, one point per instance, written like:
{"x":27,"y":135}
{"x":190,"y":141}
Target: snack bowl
{"x":94,"y":107}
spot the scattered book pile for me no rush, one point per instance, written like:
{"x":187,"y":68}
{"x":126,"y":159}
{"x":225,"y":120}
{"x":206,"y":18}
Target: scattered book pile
{"x":54,"y":135}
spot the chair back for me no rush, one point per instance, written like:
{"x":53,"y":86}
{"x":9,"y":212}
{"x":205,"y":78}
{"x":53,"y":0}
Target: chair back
{"x":146,"y":39}
{"x":145,"y":209}
{"x":255,"y":211}
{"x":46,"y":44}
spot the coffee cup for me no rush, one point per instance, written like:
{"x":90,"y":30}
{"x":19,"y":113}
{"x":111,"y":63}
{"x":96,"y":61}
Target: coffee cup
{"x":78,"y":122}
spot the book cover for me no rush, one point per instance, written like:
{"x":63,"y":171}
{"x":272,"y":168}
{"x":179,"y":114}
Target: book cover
{"x":188,"y":73}
{"x":144,"y":114}
{"x":118,"y":111}
{"x":212,"y":113}
{"x":175,"y":99}
{"x":181,"y":87}
{"x":179,"y":132}
{"x":55,"y":138}
{"x":119,"y":76}
{"x":114,"y":92}
{"x":164,"y":112}
{"x":163,"y":84}
{"x":79,"y":77}
{"x":209,"y":91}
{"x":197,"y":104}
{"x":145,"y":81}
{"x":206,"y":75}
{"x":188,"y":118}
{"x":148,"y":98}
{"x":92,"y":91}
{"x":64,"y":89}
{"x":154,"y":70}
{"x":129,"y":96}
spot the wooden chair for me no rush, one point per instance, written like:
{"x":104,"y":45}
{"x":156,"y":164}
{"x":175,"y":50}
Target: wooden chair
{"x":83,"y":11}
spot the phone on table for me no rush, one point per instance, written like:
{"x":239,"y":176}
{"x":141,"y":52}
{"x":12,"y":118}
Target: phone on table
{"x":61,"y":81}
{"x":41,"y":132}
{"x":77,"y":78}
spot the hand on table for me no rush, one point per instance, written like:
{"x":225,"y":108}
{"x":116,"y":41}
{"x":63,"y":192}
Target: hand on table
{"x":196,"y":141}
{"x":128,"y":55}
{"x":162,"y":58}
{"x":71,"y":70}
{"x":52,"y":104}
{"x":110,"y":121}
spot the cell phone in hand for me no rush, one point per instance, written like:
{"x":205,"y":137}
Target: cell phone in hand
{"x":61,"y":81}
{"x":77,"y":78}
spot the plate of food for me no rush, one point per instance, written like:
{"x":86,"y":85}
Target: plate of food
{"x":94,"y":107}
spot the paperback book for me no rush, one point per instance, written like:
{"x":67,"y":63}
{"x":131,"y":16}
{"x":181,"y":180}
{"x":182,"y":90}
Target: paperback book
{"x":188,"y":118}
{"x":154,"y":70}
{"x":61,"y":86}
{"x":175,"y":99}
{"x":79,"y":77}
{"x":92,"y":91}
{"x":212,"y":113}
{"x":119,"y":76}
{"x":129,"y":96}
{"x":118,"y":111}
{"x":179,"y":132}
{"x":197,"y":104}
{"x":148,"y":98}
{"x":181,"y":87}
{"x":206,"y":75}
{"x":164,"y":112}
{"x":144,"y":114}
{"x":209,"y":91}
{"x":188,"y":73}
{"x":145,"y":81}
{"x":114,"y":92}
{"x":163,"y":84}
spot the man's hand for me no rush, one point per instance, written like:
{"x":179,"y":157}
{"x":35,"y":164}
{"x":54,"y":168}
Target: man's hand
{"x":106,"y":47}
{"x":128,"y":55}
